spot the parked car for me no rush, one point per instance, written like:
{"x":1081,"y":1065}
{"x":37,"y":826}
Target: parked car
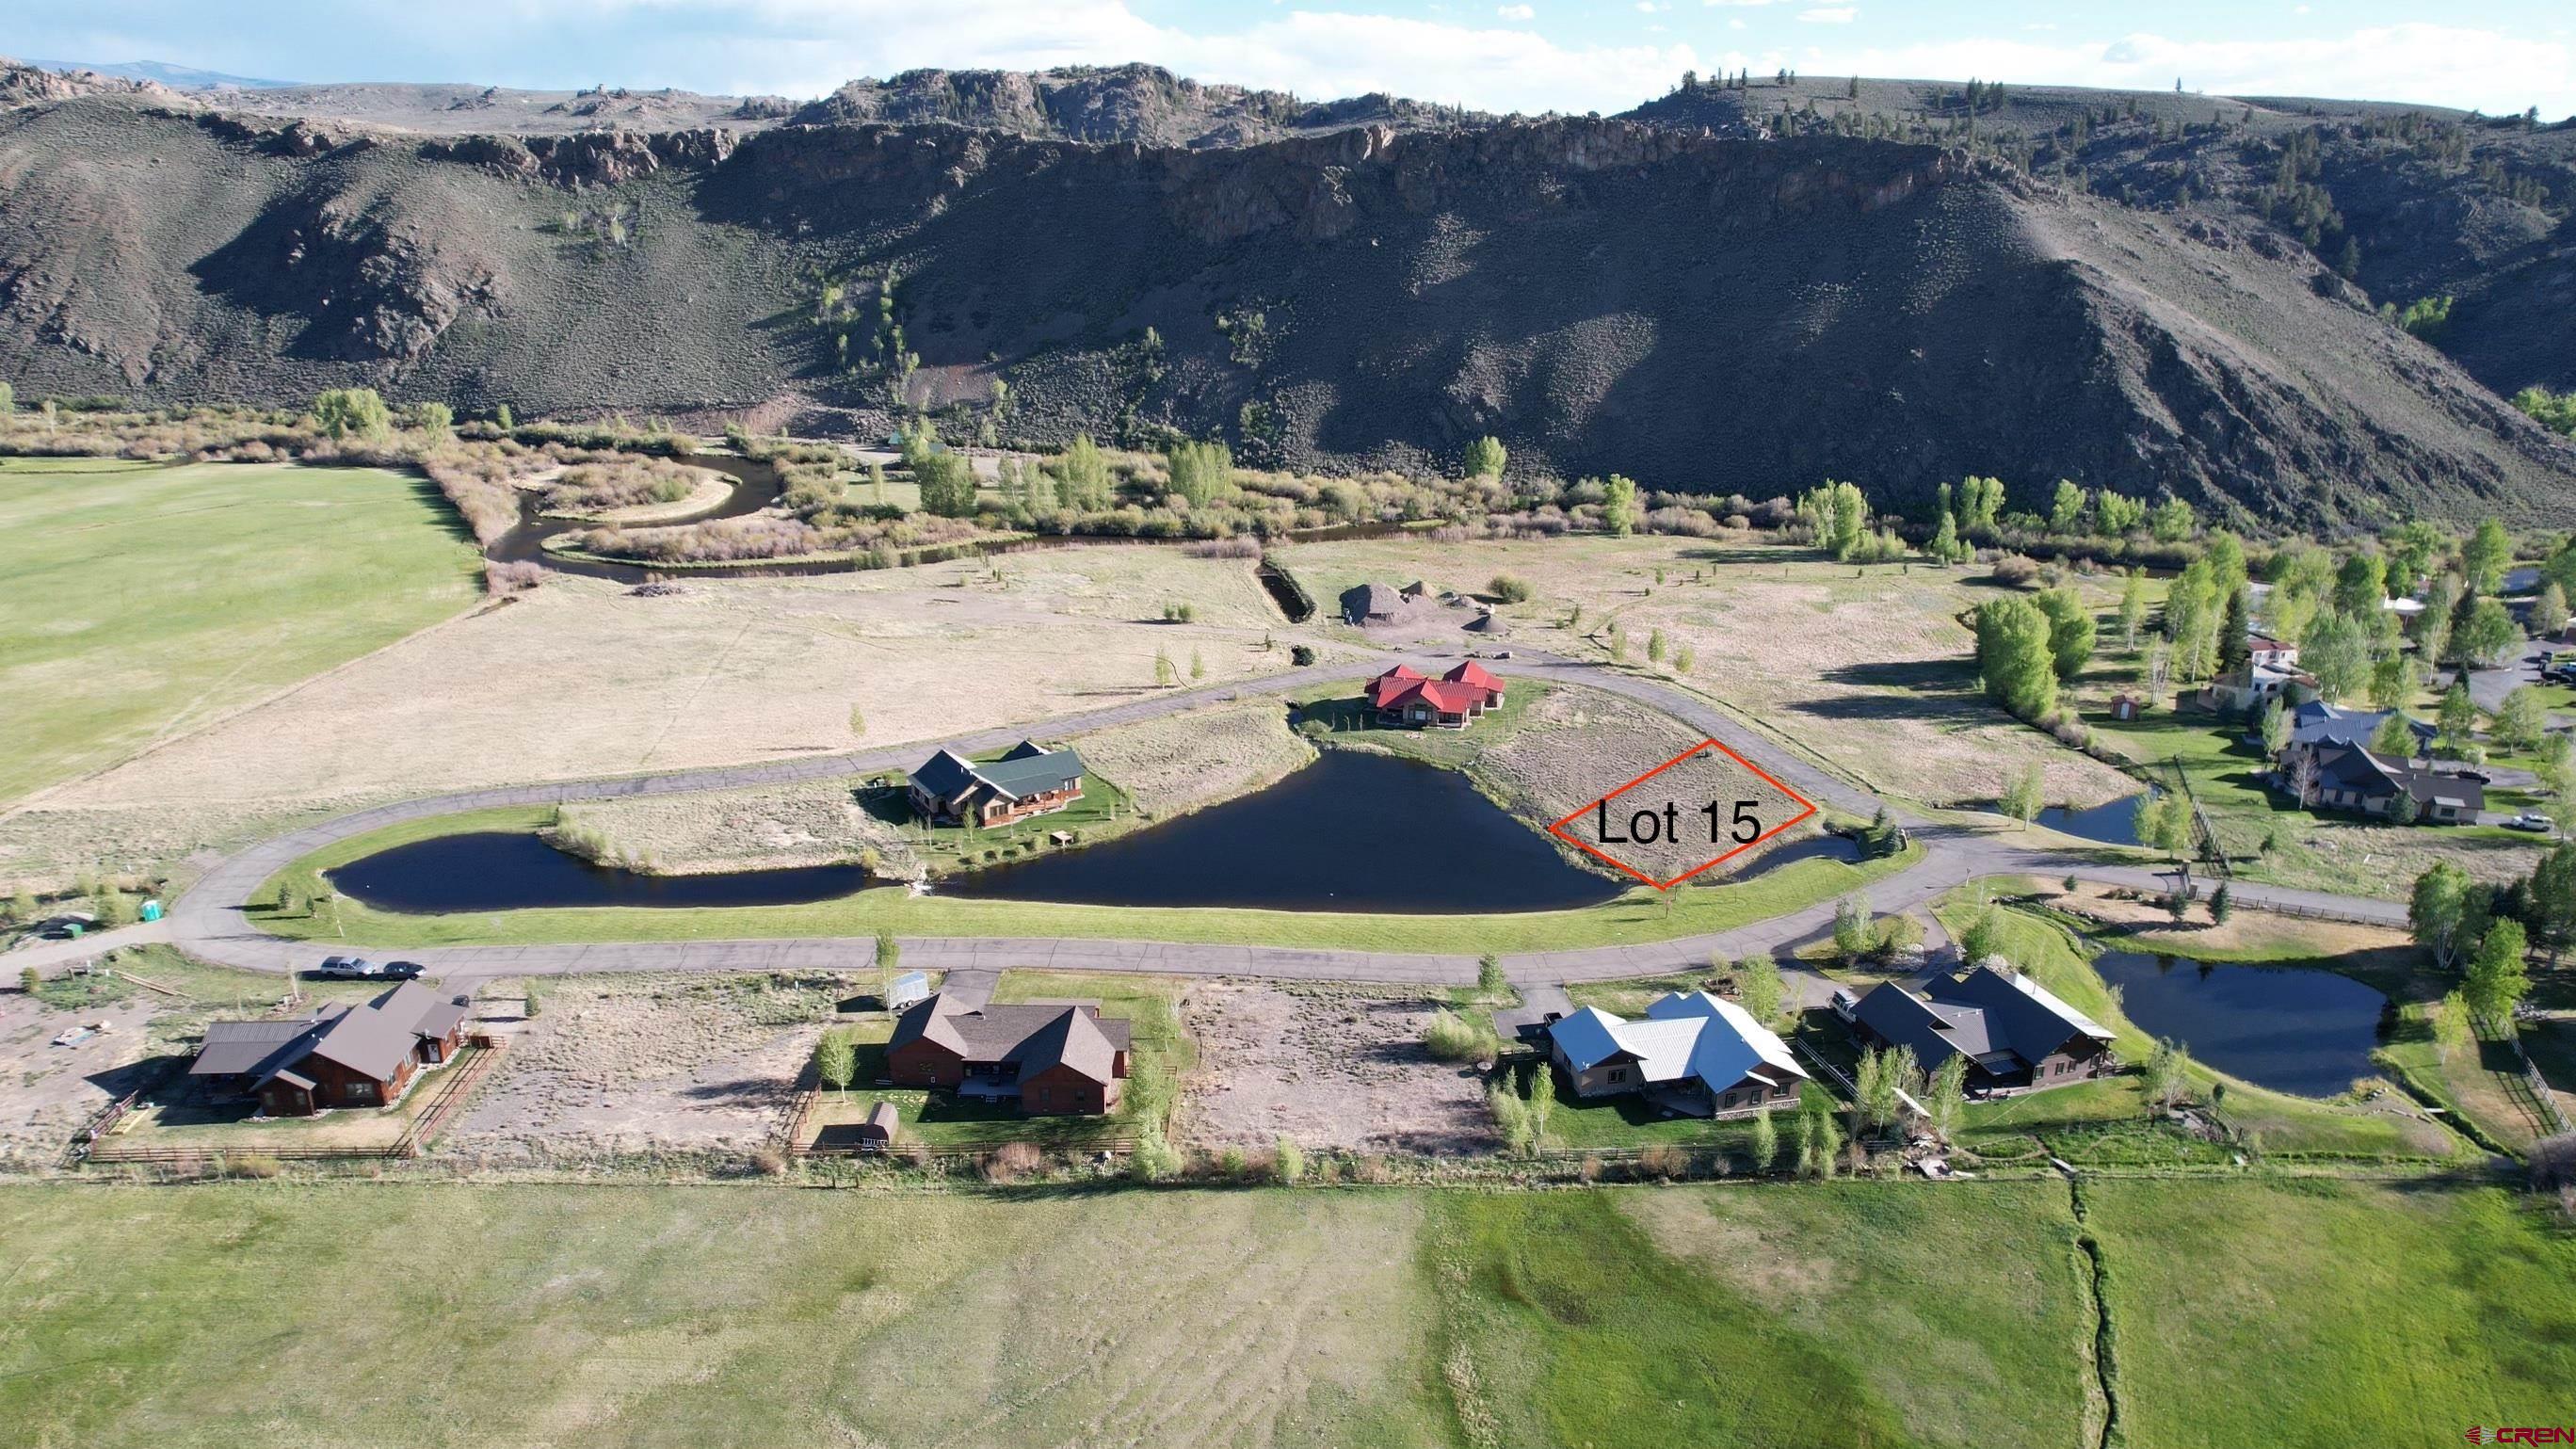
{"x":348,"y":968}
{"x":2529,"y":820}
{"x":403,"y":970}
{"x":2478,"y":777}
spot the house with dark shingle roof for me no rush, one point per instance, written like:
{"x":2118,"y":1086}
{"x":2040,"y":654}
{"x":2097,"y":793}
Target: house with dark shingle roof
{"x":2356,"y":779}
{"x":1054,"y":1059}
{"x":950,"y":789}
{"x":2015,"y":1033}
{"x":341,"y":1056}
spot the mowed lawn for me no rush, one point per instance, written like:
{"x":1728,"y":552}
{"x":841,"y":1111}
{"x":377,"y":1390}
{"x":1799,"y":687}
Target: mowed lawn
{"x":138,"y":600}
{"x":1884,"y":1314}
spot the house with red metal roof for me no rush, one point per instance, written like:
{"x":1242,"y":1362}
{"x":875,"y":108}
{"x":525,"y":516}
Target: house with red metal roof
{"x":1406,"y":696}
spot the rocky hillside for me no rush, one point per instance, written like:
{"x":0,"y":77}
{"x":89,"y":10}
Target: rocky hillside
{"x":1143,"y":104}
{"x":2408,"y":202}
{"x":1698,"y":302}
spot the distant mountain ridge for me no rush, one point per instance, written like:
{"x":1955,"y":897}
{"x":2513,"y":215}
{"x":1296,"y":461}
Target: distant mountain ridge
{"x":176,"y":77}
{"x":1736,"y":290}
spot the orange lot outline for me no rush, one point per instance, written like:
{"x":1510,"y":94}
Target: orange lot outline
{"x":1808,"y":807}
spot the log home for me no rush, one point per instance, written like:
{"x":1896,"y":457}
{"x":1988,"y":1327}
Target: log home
{"x":950,"y":789}
{"x":343,"y":1056}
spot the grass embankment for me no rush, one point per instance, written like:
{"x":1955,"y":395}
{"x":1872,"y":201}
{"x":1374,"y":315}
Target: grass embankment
{"x":1642,"y":915}
{"x":137,"y":600}
{"x":1881,"y":1313}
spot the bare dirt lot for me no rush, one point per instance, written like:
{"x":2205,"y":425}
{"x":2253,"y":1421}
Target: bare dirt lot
{"x":1577,"y":745}
{"x":1867,"y":669}
{"x":1324,"y":1067}
{"x":581,"y":678}
{"x":46,"y":1091}
{"x":650,"y":1062}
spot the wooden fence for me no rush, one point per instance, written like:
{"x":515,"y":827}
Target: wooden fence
{"x":447,"y":1094}
{"x":2544,"y":1100}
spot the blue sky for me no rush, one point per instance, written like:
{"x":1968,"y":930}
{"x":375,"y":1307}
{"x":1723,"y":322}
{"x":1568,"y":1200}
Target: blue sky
{"x":1499,"y":54}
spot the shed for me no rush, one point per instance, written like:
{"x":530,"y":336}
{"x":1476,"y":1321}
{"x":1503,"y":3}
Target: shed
{"x":878,"y":1132}
{"x":2126,"y":707}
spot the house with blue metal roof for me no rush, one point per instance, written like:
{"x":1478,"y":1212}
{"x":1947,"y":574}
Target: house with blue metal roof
{"x":1694,"y":1053}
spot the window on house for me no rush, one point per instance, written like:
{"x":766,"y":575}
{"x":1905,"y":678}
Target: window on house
{"x":1618,"y":1074}
{"x":362,"y":1091}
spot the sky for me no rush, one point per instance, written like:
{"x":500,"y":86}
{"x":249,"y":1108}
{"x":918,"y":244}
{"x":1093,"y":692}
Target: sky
{"x":1526,"y":55}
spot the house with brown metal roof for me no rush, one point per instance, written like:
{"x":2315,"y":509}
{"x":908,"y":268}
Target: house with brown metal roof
{"x":341,"y":1056}
{"x":1054,"y":1059}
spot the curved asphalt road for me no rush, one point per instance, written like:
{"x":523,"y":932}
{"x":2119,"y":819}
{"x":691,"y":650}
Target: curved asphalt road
{"x":208,"y":920}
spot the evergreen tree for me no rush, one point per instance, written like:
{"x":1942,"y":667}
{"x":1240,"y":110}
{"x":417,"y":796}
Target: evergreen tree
{"x":2235,"y":634}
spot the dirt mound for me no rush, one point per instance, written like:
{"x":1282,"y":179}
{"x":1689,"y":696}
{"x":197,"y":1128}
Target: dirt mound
{"x":1695,"y":310}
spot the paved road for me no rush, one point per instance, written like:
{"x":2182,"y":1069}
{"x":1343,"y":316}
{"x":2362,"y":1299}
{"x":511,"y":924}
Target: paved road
{"x":208,"y":920}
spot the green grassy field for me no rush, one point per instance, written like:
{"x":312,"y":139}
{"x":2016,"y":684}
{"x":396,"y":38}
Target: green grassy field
{"x":1640,"y":915}
{"x":138,"y":600}
{"x":1885,"y":1314}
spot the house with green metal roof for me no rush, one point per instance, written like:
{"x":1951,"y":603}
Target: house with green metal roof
{"x":949,"y":789}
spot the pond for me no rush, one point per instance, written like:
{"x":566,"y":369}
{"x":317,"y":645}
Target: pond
{"x":1353,"y":831}
{"x":497,"y":870}
{"x":2113,"y":822}
{"x":1813,"y":847}
{"x":2294,"y":1029}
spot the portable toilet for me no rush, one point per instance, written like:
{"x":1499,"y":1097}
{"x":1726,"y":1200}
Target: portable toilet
{"x":151,"y":910}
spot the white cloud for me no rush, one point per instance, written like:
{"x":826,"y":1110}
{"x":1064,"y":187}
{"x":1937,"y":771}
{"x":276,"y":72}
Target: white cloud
{"x":1829,"y":15}
{"x":1516,"y":12}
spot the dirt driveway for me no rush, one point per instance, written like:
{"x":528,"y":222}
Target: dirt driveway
{"x":1324,"y":1067}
